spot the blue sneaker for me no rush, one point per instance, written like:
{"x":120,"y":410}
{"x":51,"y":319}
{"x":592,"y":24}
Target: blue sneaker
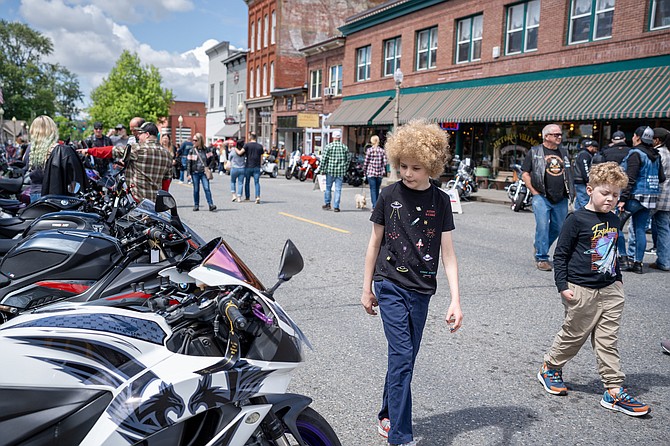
{"x":552,"y":380}
{"x":623,"y":402}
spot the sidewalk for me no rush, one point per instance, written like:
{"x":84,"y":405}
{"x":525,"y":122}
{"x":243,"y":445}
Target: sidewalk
{"x":491,"y":196}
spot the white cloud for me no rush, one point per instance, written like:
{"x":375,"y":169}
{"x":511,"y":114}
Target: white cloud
{"x":88,"y":40}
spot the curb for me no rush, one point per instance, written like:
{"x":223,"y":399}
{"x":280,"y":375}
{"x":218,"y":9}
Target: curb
{"x":492,"y":200}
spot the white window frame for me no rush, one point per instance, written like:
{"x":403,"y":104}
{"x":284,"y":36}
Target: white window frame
{"x":363,"y":61}
{"x":221,"y":93}
{"x":430,"y":34}
{"x":258,"y":35}
{"x":265,"y":79}
{"x":258,"y":81}
{"x":595,"y":15}
{"x":335,"y":81}
{"x":266,"y":31}
{"x":655,"y":7}
{"x":240,"y":99}
{"x":525,"y":27}
{"x":273,"y":33}
{"x":211,"y":96}
{"x":252,"y":35}
{"x":395,"y":45}
{"x":471,"y":39}
{"x":315,"y":84}
{"x":272,"y":76}
{"x":251,"y":83}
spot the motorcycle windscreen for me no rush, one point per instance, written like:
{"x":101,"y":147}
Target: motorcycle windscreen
{"x":223,"y":259}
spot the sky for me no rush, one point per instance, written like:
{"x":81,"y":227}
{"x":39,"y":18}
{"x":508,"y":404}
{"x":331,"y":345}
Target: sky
{"x":173,"y":35}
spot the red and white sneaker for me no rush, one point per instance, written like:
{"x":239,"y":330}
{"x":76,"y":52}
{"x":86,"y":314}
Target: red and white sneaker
{"x":383,"y":427}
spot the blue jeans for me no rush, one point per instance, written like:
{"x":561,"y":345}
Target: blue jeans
{"x":338,"y":193}
{"x":639,"y":219}
{"x":660,"y":230}
{"x":375,"y":183}
{"x":404,"y":316}
{"x":236,"y":180}
{"x":549,"y":218}
{"x":582,"y":198}
{"x":248,"y":173}
{"x":198,"y":177}
{"x":182,"y":173}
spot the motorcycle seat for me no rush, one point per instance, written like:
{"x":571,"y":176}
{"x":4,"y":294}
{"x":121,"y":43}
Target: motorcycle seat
{"x":6,"y":244}
{"x":4,"y":280}
{"x":11,"y":221}
{"x":9,"y":203}
{"x":11,"y":185}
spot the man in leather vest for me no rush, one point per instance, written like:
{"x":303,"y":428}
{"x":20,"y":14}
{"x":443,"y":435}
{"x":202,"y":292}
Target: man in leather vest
{"x":547,"y":173}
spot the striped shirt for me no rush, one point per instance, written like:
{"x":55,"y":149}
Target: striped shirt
{"x":663,"y":203}
{"x":375,"y":162}
{"x":335,"y":159}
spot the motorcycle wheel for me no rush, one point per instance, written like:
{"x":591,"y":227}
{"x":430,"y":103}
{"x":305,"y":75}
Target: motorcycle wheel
{"x":518,"y":203}
{"x":275,"y":172}
{"x":302,"y":176}
{"x":288,"y":173}
{"x":451,"y":184}
{"x":467,"y":190}
{"x":355,"y":181}
{"x":314,"y":430}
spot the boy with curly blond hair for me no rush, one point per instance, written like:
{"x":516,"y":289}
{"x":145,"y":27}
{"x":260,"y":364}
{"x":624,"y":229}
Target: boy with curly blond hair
{"x":588,"y":277}
{"x":412,"y":224}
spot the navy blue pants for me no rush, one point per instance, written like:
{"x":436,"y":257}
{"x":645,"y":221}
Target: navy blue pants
{"x":404,"y":316}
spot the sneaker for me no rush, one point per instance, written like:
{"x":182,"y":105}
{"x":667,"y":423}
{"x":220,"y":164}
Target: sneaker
{"x":212,"y":207}
{"x":383,"y":427}
{"x":552,"y":380}
{"x":336,"y":209}
{"x":195,"y":208}
{"x":651,"y":250}
{"x":623,"y":402}
{"x":635,"y":267}
{"x":234,"y":198}
{"x":624,"y":262}
{"x":543,"y":265}
{"x":666,"y":345}
{"x":258,"y":200}
{"x":326,"y":207}
{"x":655,"y":265}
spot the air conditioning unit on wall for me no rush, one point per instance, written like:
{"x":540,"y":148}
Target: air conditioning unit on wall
{"x":329,"y":92}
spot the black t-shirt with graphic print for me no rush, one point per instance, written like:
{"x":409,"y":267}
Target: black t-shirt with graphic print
{"x":554,"y":183}
{"x":413,"y":222}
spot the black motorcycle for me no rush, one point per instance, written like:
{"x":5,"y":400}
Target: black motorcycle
{"x":355,"y":176}
{"x":518,"y":192}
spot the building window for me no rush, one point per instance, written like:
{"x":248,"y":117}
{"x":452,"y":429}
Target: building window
{"x":258,"y":81}
{"x":392,"y":53}
{"x":266,"y":30}
{"x":221,"y":94}
{"x":590,"y":20}
{"x":211,"y":96}
{"x":660,"y":14}
{"x":272,"y":76}
{"x":231,"y":109}
{"x":523,"y":23}
{"x":252,"y":36}
{"x":273,"y":33}
{"x":426,"y":49}
{"x":251,"y":83}
{"x":265,"y":80}
{"x":469,"y":35}
{"x":315,"y":84}
{"x":258,"y":34}
{"x":335,"y":83}
{"x":363,"y":63}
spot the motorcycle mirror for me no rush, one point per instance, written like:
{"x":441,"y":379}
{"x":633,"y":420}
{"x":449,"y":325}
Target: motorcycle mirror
{"x":165,"y":201}
{"x":291,"y":261}
{"x":73,"y":187}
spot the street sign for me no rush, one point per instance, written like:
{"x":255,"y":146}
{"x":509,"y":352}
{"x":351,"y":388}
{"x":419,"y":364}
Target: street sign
{"x":229,"y":120}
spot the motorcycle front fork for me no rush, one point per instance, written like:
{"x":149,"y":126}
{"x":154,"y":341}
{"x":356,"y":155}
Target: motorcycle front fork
{"x":272,"y":426}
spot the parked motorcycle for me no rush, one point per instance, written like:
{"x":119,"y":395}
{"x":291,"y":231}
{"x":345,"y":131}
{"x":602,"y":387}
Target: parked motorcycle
{"x":294,"y":163}
{"x":309,"y":168}
{"x":518,"y":192}
{"x":355,"y":175}
{"x":269,"y":166}
{"x":208,"y":368}
{"x":464,"y":181}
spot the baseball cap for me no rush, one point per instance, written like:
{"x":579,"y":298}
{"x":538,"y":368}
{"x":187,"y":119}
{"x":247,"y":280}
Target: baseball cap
{"x":337,"y":134}
{"x":120,"y":126}
{"x":590,"y":143}
{"x":149,"y":127}
{"x":645,"y":133}
{"x":97,"y":125}
{"x":661,"y":134}
{"x":618,"y":136}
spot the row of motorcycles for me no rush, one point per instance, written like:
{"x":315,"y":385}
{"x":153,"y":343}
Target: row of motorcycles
{"x":120,"y":325}
{"x":306,"y":167}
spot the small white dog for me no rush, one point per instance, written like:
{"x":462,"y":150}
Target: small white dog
{"x":360,"y":201}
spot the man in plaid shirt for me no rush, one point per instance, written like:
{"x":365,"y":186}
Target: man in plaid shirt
{"x":660,"y":219}
{"x":334,"y":164}
{"x":149,"y":165}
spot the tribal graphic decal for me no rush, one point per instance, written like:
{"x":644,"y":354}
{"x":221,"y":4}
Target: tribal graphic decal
{"x":244,"y":381}
{"x":207,"y":396}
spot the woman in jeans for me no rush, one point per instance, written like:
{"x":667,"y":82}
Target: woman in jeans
{"x":374,"y":167}
{"x":237,"y":161}
{"x":198,"y":158}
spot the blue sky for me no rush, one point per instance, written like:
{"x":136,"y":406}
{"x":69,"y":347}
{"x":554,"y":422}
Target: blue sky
{"x":172,"y":35}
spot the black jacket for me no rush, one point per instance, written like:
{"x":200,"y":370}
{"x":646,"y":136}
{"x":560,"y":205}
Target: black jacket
{"x":63,"y":168}
{"x":582,"y":166}
{"x":633,"y":168}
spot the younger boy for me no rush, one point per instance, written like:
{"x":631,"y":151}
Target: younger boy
{"x":588,"y":277}
{"x":412,"y":223}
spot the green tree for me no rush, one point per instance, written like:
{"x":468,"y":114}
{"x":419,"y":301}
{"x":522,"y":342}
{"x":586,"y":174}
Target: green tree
{"x":31,"y":86}
{"x":132,"y":89}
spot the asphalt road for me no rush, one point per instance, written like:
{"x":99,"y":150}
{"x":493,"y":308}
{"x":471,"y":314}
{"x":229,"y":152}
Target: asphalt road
{"x":475,"y":387}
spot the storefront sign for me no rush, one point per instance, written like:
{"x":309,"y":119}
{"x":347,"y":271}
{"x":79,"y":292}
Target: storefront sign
{"x":308,"y":120}
{"x":515,"y":138}
{"x":229,"y":120}
{"x":449,"y":126}
{"x":265,"y":114}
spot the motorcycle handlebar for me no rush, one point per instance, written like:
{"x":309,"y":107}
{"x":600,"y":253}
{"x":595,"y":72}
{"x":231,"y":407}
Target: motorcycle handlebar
{"x":228,"y":308}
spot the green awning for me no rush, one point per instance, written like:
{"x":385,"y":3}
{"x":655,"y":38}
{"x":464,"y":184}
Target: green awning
{"x":357,"y":111}
{"x":630,"y":94}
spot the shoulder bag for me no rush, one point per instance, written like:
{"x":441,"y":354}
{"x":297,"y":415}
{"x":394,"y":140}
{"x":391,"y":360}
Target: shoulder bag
{"x":208,"y":171}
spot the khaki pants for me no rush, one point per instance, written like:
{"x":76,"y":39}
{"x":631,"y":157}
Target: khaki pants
{"x":595,"y":313}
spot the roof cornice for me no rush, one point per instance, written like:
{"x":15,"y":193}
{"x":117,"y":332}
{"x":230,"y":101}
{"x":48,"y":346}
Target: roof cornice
{"x":384,"y":13}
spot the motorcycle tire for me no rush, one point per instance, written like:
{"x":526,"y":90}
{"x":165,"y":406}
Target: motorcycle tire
{"x":302,"y":176}
{"x":451,"y":184}
{"x":518,"y":203}
{"x":288,"y":173}
{"x":274,"y":172}
{"x":467,"y":190}
{"x":315,"y":430}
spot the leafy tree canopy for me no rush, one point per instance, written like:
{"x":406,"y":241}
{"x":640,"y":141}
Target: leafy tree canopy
{"x":31,"y":86}
{"x":132,"y":89}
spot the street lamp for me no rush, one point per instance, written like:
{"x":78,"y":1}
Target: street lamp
{"x":181,"y":121}
{"x":397,"y":77}
{"x":240,"y":110}
{"x":2,"y":125}
{"x":14,"y":126}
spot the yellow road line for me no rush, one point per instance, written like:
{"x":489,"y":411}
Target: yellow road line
{"x":314,"y":223}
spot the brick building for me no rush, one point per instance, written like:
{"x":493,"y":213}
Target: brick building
{"x":493,"y":73}
{"x":193,"y":121}
{"x":278,"y":30}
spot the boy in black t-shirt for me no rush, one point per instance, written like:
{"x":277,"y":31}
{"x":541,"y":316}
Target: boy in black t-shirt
{"x":588,"y":277}
{"x":412,"y":223}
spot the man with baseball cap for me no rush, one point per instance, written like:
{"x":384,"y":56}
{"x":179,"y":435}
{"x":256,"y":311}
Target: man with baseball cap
{"x":121,"y":137}
{"x":616,"y":151}
{"x":334,"y":163}
{"x":98,"y":139}
{"x":582,"y":168}
{"x":148,"y":167}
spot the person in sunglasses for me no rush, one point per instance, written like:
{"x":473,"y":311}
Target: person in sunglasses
{"x":547,"y":172}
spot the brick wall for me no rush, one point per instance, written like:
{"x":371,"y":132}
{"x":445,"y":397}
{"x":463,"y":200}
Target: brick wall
{"x":630,"y":40}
